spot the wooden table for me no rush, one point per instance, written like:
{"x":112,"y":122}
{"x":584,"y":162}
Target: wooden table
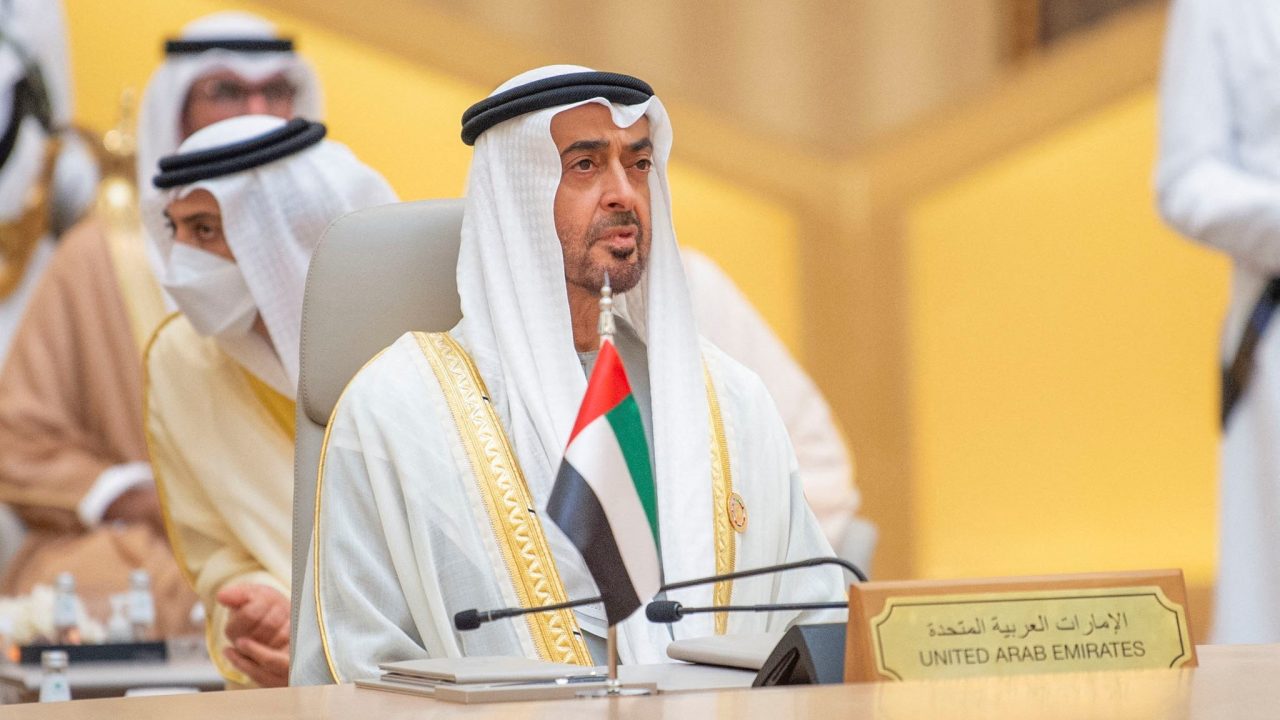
{"x":1237,"y":682}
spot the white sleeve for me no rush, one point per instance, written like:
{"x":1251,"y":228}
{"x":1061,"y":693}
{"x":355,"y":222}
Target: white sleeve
{"x":108,"y":487}
{"x":359,"y":616}
{"x":1202,"y":189}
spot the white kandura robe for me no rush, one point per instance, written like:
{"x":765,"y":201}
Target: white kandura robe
{"x":404,"y":542}
{"x":221,"y":444}
{"x":1219,"y":183}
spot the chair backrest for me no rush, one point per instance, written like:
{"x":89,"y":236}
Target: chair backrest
{"x":375,"y":275}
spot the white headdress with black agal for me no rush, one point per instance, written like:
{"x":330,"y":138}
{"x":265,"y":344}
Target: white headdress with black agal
{"x":35,"y":93}
{"x":37,"y":30}
{"x":516,"y":321}
{"x":33,"y":35}
{"x":278,"y":185}
{"x":240,"y":42}
{"x":22,"y":139}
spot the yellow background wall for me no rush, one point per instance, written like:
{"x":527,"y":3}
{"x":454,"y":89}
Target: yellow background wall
{"x":403,"y":119}
{"x":1060,"y":342}
{"x":1063,"y":363}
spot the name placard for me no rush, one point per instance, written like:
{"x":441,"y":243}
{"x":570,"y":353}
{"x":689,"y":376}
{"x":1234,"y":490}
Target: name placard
{"x":918,"y":630}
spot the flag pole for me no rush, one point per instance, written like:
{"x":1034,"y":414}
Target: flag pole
{"x":613,"y":686}
{"x":605,"y":326}
{"x":612,"y":643}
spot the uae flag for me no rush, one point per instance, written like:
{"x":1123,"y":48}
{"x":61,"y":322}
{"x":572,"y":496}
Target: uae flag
{"x":604,"y":497}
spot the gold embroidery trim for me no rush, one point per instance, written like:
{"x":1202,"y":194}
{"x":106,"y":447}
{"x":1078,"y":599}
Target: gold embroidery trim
{"x":721,"y":491}
{"x":506,"y":497}
{"x":228,"y":671}
{"x":315,"y":527}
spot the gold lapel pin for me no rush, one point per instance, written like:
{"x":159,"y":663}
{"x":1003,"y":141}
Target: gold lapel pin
{"x":737,"y":513}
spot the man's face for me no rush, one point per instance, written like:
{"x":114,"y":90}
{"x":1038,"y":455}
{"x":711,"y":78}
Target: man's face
{"x":224,"y":94}
{"x":602,"y":203}
{"x":196,"y":220}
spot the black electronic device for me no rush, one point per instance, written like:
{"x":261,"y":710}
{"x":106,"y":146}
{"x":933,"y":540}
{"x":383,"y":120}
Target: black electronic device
{"x":806,"y":655}
{"x":156,"y":651}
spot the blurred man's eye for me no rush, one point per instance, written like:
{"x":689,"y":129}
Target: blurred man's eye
{"x":278,"y":91}
{"x":223,"y":91}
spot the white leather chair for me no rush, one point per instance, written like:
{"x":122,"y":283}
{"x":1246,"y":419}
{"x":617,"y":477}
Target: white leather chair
{"x":375,"y":275}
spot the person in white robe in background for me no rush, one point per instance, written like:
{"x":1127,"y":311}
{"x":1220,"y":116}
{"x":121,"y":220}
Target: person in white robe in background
{"x":1218,"y":182}
{"x":222,"y":375}
{"x":443,"y":450}
{"x":728,"y":319}
{"x":47,"y":173}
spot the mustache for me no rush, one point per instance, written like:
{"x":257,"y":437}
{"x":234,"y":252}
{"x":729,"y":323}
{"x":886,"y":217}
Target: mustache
{"x":618,"y":219}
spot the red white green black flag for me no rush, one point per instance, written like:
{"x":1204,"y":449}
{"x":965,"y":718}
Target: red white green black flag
{"x":604,"y":498}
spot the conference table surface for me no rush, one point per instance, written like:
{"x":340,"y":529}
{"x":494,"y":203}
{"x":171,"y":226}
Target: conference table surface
{"x":1233,"y":681}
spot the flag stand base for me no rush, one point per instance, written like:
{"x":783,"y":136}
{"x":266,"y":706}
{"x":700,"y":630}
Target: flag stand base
{"x":613,"y":686}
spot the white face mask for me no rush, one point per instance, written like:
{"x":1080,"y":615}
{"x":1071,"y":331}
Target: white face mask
{"x":210,"y":291}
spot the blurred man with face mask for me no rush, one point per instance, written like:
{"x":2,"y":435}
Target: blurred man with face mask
{"x":73,"y":457}
{"x":245,"y":202}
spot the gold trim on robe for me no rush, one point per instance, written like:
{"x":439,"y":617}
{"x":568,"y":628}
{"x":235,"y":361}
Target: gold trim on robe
{"x":511,"y":510}
{"x":315,"y":528}
{"x":281,"y":409}
{"x":506,"y":497}
{"x":721,"y":492}
{"x":224,"y":666}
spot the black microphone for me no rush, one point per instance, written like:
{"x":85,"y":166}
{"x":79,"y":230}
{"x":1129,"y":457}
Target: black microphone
{"x":669,"y":611}
{"x":472,"y":619}
{"x":811,"y":562}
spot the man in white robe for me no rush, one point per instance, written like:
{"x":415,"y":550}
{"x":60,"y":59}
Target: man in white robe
{"x":1218,"y":182}
{"x":222,"y":375}
{"x":47,"y":175}
{"x":442,"y":451}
